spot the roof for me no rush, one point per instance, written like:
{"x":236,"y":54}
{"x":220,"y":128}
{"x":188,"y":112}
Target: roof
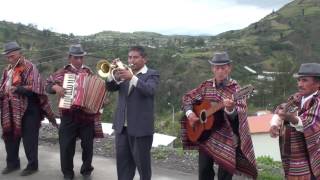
{"x":259,"y":124}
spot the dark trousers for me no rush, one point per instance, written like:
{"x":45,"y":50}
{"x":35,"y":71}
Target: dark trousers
{"x":68,"y":132}
{"x":29,"y":135}
{"x":206,"y":171}
{"x":131,"y":153}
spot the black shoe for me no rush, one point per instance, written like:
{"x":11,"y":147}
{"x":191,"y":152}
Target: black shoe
{"x":28,"y":171}
{"x":8,"y":170}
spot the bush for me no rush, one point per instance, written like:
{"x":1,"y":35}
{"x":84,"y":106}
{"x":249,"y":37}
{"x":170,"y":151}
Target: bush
{"x":269,"y":169}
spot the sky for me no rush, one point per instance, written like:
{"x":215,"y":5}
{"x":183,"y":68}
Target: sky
{"x":168,"y":17}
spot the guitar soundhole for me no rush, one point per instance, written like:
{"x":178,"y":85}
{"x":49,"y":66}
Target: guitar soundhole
{"x":203,"y":116}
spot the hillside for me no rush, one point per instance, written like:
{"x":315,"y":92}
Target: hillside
{"x":279,"y":42}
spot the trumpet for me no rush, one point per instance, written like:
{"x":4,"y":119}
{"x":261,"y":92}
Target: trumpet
{"x":106,"y":69}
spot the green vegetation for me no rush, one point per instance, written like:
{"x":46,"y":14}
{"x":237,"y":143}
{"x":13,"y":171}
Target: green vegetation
{"x":269,"y":169}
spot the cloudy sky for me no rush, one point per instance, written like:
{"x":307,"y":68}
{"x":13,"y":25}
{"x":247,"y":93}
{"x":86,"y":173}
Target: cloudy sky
{"x":85,"y":17}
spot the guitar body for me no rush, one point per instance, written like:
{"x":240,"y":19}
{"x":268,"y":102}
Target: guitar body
{"x":196,"y":132}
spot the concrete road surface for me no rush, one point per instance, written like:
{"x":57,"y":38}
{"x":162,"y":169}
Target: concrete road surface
{"x":105,"y":168}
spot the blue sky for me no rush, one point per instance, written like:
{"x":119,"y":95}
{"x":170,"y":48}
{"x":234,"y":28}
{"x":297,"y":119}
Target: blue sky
{"x":192,"y":17}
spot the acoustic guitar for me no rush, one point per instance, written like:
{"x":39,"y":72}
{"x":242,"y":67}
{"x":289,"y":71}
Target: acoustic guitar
{"x":205,"y":110}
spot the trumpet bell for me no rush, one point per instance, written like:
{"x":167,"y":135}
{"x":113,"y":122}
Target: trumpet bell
{"x":103,"y":68}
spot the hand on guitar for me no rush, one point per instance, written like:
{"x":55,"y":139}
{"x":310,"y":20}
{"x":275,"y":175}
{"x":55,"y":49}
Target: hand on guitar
{"x":287,"y":116}
{"x":192,"y":118}
{"x":59,"y":90}
{"x":274,"y":131}
{"x":229,"y":104}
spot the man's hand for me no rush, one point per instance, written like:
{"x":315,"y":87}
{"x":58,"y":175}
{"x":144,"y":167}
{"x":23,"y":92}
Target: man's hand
{"x":59,"y":90}
{"x":192,"y":118}
{"x":289,"y":117}
{"x":229,"y":104}
{"x":274,"y":131}
{"x":124,"y":74}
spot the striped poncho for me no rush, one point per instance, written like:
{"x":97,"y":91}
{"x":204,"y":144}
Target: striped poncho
{"x":303,"y":157}
{"x":81,"y":116}
{"x":221,"y":144}
{"x":30,"y":80}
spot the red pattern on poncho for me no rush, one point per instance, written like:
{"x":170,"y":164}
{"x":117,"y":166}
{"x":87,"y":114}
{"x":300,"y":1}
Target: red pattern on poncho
{"x":303,"y":158}
{"x":221,"y":145}
{"x":30,"y":80}
{"x":81,"y":116}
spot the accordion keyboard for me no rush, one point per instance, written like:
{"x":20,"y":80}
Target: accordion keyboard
{"x":69,"y":86}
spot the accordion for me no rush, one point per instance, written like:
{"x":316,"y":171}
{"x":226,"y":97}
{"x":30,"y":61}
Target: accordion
{"x":85,"y":91}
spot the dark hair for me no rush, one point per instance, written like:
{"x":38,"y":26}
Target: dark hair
{"x":139,"y":49}
{"x":316,"y":78}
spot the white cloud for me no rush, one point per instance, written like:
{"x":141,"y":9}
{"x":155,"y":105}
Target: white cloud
{"x":83,"y":17}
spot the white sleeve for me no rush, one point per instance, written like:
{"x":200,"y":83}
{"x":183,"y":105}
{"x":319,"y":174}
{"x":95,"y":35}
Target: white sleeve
{"x":275,"y":121}
{"x":189,"y":112}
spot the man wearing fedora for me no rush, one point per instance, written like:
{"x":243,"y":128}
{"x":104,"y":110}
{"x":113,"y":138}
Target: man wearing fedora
{"x":23,"y":104}
{"x":300,"y":135}
{"x":75,"y":122}
{"x":226,"y":144}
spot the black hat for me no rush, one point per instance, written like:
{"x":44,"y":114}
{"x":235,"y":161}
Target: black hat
{"x":220,"y":58}
{"x":10,"y":47}
{"x":76,"y":50}
{"x":308,"y":69}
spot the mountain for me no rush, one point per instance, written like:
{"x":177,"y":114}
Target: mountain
{"x":278,"y":43}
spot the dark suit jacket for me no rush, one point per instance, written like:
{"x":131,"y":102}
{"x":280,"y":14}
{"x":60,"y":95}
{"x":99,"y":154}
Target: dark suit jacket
{"x":137,"y":106}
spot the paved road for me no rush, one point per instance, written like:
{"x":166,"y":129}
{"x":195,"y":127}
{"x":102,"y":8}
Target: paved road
{"x":105,"y":168}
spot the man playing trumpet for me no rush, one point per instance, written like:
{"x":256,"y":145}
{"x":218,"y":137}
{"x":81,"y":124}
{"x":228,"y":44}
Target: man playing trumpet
{"x":134,"y":117}
{"x":300,"y":134}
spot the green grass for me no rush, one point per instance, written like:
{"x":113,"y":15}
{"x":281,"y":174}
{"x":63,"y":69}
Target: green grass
{"x":279,"y":26}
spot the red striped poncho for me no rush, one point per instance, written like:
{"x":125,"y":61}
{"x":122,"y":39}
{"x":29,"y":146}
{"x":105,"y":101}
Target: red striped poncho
{"x":31,"y":80}
{"x":303,"y":157}
{"x":57,"y":78}
{"x":221,"y":145}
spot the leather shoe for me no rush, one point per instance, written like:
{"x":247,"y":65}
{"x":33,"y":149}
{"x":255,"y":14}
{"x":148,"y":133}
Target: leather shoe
{"x":28,"y":171}
{"x":8,"y":170}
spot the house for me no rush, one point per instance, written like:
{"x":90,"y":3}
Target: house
{"x":263,"y":144}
